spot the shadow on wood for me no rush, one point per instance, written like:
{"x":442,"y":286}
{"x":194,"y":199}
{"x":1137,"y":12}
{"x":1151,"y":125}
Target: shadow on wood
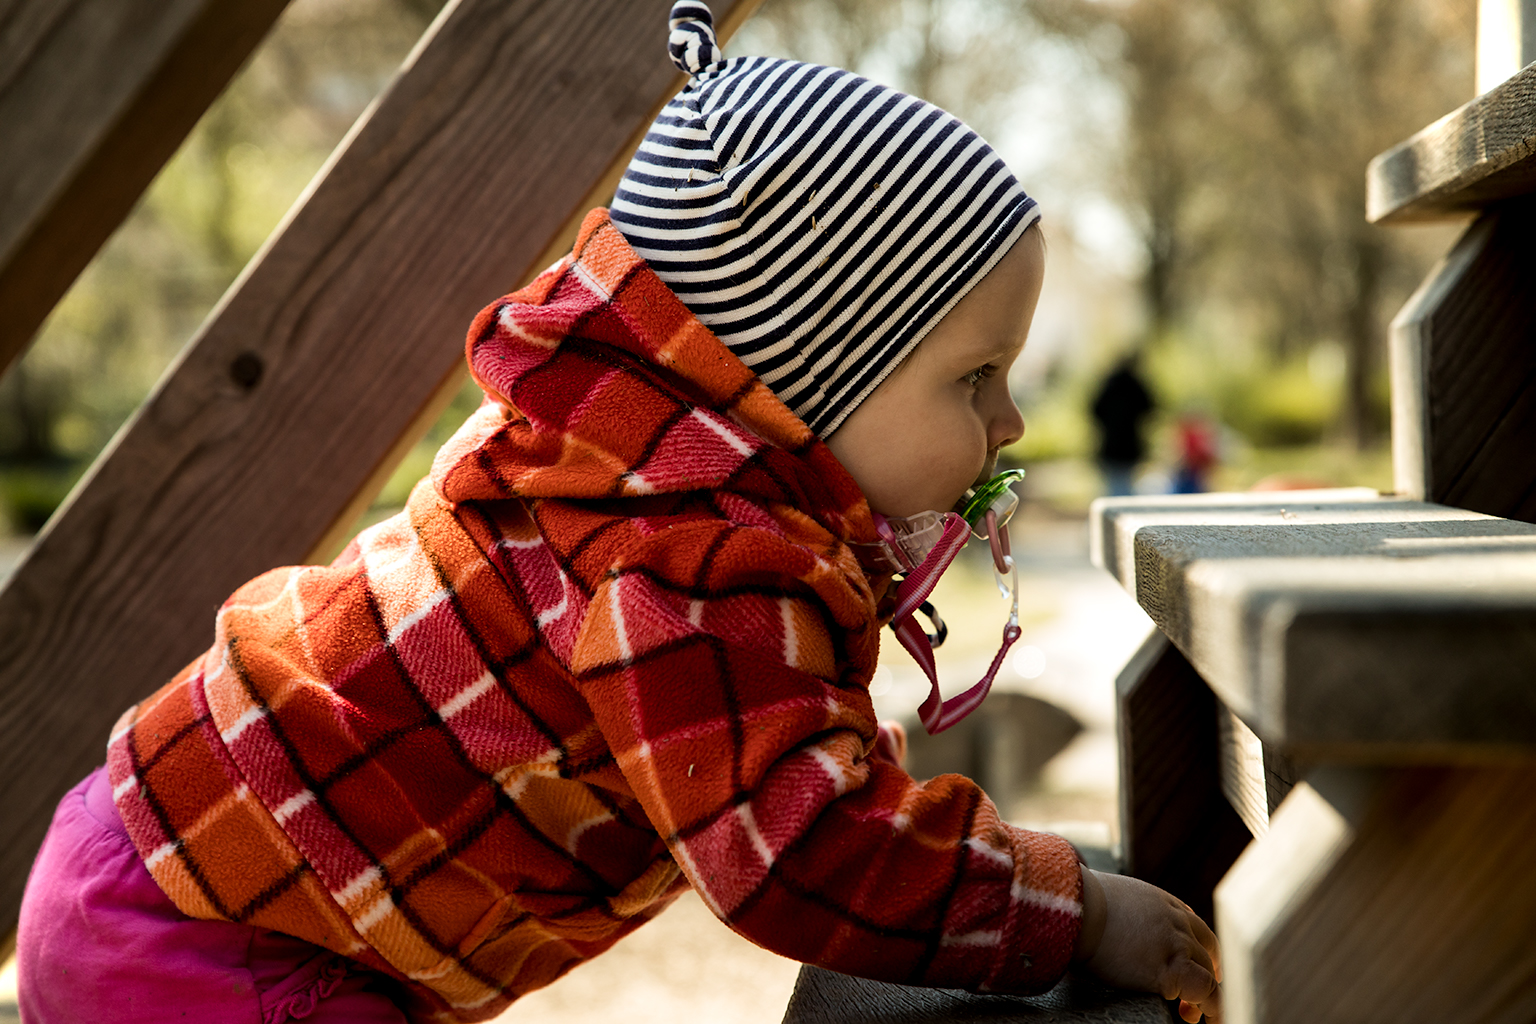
{"x":1464,"y":372}
{"x":1382,"y":895}
{"x":1177,"y":829}
{"x":825,"y":997}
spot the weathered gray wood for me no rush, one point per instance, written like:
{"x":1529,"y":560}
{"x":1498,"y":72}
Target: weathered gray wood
{"x":1387,"y":895}
{"x":95,"y":95}
{"x":1342,"y":627}
{"x":1480,"y":153}
{"x":1506,"y":39}
{"x":1177,"y":830}
{"x":285,"y":406}
{"x":1464,"y":372}
{"x":824,"y":997}
{"x":1254,"y":777}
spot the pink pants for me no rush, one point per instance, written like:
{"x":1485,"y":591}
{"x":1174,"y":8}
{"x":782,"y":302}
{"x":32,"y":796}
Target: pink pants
{"x":99,"y":943}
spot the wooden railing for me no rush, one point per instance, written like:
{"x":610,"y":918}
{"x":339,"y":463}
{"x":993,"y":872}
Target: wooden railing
{"x":328,"y":357}
{"x":1356,"y":674}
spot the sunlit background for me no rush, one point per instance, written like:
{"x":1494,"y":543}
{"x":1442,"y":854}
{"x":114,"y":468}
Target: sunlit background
{"x":1201,"y":167}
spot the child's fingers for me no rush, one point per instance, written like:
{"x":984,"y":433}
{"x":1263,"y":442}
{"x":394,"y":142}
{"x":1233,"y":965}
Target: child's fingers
{"x":1196,"y":988}
{"x":1207,"y":939}
{"x":1194,"y":984}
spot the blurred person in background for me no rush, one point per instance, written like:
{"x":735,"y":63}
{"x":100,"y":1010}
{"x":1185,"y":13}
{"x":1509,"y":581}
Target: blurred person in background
{"x":1119,"y":408}
{"x":1198,"y":454}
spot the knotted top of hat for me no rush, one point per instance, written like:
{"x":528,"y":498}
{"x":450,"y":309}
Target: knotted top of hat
{"x":819,"y":223}
{"x":691,"y":39}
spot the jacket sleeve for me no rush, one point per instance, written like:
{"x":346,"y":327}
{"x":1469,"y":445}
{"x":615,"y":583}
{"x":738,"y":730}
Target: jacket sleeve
{"x":728,"y":669}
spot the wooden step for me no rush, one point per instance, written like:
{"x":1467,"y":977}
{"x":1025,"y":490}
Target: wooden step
{"x":1478,"y":154}
{"x":1342,"y":625}
{"x":824,"y":997}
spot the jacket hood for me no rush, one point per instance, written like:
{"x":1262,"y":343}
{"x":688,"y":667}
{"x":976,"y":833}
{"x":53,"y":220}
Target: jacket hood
{"x":601,"y":384}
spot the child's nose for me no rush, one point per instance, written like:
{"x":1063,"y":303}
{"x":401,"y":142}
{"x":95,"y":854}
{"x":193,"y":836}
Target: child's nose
{"x":1007,"y":424}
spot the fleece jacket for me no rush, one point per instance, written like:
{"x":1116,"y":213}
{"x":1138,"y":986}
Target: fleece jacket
{"x":617,"y":645}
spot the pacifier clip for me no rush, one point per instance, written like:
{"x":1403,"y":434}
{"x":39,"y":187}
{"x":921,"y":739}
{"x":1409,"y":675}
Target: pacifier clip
{"x":936,"y":713}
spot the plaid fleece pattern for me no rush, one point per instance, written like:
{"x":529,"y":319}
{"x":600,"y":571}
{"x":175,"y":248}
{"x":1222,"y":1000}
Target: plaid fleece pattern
{"x":616,"y":645}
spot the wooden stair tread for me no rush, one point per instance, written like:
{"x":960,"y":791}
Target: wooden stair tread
{"x":825,"y":997}
{"x":1482,"y":152}
{"x":1341,"y":624}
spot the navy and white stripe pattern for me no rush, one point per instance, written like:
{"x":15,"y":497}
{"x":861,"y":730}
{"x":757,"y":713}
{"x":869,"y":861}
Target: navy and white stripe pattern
{"x":819,"y":223}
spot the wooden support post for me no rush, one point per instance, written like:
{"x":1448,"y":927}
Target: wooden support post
{"x":1464,"y":372}
{"x":1177,"y":829}
{"x":1387,"y":895}
{"x":508,"y":121}
{"x":95,"y":95}
{"x":1255,"y":777}
{"x":1506,"y":39}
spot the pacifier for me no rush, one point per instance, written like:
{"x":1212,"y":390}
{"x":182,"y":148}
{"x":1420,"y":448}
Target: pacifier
{"x":924,"y":545}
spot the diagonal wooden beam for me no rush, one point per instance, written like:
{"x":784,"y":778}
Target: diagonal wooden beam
{"x":506,"y":121}
{"x":95,"y":96}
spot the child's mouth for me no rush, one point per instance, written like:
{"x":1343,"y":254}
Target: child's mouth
{"x":988,"y":471}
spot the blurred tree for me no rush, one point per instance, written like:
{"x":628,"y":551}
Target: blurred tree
{"x":1248,"y":126}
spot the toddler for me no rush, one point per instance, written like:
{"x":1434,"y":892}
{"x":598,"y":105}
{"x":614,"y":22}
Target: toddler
{"x":619,"y":643}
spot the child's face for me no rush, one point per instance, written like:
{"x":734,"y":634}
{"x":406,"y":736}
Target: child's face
{"x":934,"y":426}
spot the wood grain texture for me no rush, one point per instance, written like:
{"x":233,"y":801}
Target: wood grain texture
{"x":1386,"y":896}
{"x":95,"y":96}
{"x":1177,"y":829}
{"x":1464,"y":372}
{"x":824,"y":997}
{"x":1366,"y":630}
{"x":1482,"y":152}
{"x":281,"y":411}
{"x":1254,"y":776}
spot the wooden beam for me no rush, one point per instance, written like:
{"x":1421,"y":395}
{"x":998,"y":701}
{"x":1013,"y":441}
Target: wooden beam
{"x":1370,"y":630}
{"x":95,"y":96}
{"x":1177,"y":830}
{"x":1464,"y":372}
{"x":294,"y":394}
{"x":1482,"y":152}
{"x":1255,"y":777}
{"x":1387,"y":895}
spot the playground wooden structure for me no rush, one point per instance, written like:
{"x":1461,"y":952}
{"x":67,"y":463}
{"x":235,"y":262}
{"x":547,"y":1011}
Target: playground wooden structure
{"x":1341,"y":675}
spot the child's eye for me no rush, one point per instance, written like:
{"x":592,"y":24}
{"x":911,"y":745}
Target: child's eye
{"x":981,"y":373}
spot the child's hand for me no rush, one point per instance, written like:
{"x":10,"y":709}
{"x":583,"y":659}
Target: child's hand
{"x":1137,"y":936}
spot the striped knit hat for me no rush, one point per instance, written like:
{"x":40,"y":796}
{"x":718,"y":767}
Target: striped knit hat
{"x":820,"y":224}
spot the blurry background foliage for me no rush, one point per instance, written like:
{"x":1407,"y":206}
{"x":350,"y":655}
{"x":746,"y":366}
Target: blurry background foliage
{"x":1200,"y":163}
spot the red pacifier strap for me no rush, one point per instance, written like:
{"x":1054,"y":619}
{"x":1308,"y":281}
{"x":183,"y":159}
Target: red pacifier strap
{"x":936,"y":713}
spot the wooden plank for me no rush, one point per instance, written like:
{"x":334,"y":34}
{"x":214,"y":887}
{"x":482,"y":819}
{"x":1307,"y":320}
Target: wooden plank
{"x":1482,"y":152}
{"x":284,"y":408}
{"x":1177,"y":829}
{"x":824,"y":997}
{"x":1387,"y":895}
{"x":1464,"y":372}
{"x":1363,"y":630}
{"x":1254,"y":776}
{"x":95,"y":96}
